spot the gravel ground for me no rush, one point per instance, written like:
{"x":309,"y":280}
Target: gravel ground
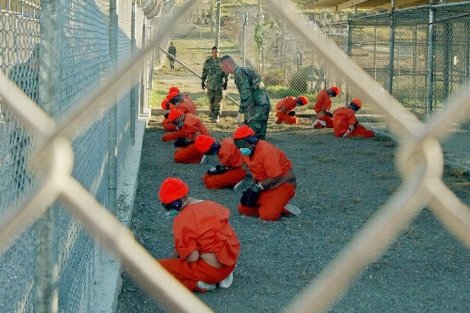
{"x":341,"y":183}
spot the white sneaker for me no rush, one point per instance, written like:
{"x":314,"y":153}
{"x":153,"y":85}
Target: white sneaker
{"x":238,"y":185}
{"x":318,"y":124}
{"x":292,"y":209}
{"x":206,"y":286}
{"x":227,"y":282}
{"x":203,"y":160}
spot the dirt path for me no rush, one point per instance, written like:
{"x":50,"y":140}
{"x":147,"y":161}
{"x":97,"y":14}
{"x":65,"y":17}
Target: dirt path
{"x":341,"y":185}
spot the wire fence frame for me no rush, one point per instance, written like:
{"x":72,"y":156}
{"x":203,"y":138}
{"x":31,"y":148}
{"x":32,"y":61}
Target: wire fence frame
{"x":420,"y":161}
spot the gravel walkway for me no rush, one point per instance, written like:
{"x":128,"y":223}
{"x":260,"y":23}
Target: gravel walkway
{"x":341,"y":183}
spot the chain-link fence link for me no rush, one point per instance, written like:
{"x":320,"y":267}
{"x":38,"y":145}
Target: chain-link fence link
{"x":65,"y":157}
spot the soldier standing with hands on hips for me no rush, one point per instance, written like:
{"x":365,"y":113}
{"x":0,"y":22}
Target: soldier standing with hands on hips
{"x":216,"y":83}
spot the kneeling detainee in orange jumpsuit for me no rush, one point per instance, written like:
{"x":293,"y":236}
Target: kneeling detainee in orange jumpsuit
{"x":207,"y":247}
{"x":232,"y":169}
{"x":322,"y":107}
{"x":346,"y":124}
{"x":176,"y":100}
{"x":285,"y":109}
{"x":191,"y":127}
{"x":274,"y":181}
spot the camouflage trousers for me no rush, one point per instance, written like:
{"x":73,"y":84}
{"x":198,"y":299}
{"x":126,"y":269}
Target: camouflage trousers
{"x":215,"y":102}
{"x":259,"y":126}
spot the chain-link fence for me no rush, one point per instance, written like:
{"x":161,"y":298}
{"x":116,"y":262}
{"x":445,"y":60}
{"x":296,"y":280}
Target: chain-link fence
{"x":57,"y":66}
{"x":74,"y":147}
{"x":423,"y":60}
{"x":254,"y":38}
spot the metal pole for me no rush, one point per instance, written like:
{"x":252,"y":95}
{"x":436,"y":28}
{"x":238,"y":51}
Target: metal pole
{"x":375,"y":52}
{"x":217,"y":30}
{"x":142,"y":70}
{"x":391,"y":56}
{"x":447,"y":53}
{"x":212,"y":16}
{"x":112,"y":114}
{"x":244,"y":41}
{"x":313,"y":72}
{"x":430,"y":77}
{"x":348,"y":52}
{"x":133,"y":85}
{"x":415,"y":62}
{"x":467,"y":53}
{"x":50,"y":98}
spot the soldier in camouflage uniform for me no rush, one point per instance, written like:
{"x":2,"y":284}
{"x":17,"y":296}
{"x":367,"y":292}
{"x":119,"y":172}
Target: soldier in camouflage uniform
{"x":172,"y":51}
{"x":216,"y":83}
{"x":254,"y":100}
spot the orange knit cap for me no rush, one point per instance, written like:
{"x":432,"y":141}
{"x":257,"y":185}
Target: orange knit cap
{"x":173,"y":89}
{"x":243,"y":132}
{"x":171,"y":95}
{"x":357,"y":102}
{"x":174,"y":114}
{"x":204,"y":143}
{"x":335,"y":89}
{"x":172,"y":189}
{"x":303,"y":99}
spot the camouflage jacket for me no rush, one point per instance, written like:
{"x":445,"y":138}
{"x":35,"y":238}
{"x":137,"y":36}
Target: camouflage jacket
{"x":214,"y":75}
{"x":172,"y":50}
{"x":254,"y":100}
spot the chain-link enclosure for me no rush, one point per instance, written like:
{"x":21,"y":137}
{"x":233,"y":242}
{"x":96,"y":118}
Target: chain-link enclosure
{"x":254,"y":38}
{"x":424,"y":71}
{"x":84,"y":62}
{"x":66,"y":126}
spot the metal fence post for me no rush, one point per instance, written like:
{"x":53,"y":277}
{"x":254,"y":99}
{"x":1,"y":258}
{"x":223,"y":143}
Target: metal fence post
{"x":112,"y":114}
{"x":133,"y":86}
{"x":447,"y":55}
{"x":467,"y":55}
{"x":142,"y":69}
{"x":348,"y":53}
{"x":50,"y":95}
{"x":217,"y":31}
{"x":430,"y":77}
{"x":391,"y":48}
{"x":244,"y":41}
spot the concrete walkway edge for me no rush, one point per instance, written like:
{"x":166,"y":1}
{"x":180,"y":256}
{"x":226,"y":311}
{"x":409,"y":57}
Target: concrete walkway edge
{"x":108,"y":280}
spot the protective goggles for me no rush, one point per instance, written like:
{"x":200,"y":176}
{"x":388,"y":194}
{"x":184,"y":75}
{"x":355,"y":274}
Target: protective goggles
{"x":239,"y":143}
{"x":213,"y":149}
{"x":354,"y":106}
{"x":174,"y":205}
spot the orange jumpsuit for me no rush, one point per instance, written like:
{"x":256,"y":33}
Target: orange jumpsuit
{"x":285,"y":106}
{"x":203,"y":227}
{"x":186,"y":106}
{"x":229,"y":156}
{"x":268,"y":162}
{"x":323,"y":102}
{"x":190,"y":154}
{"x":345,"y":116}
